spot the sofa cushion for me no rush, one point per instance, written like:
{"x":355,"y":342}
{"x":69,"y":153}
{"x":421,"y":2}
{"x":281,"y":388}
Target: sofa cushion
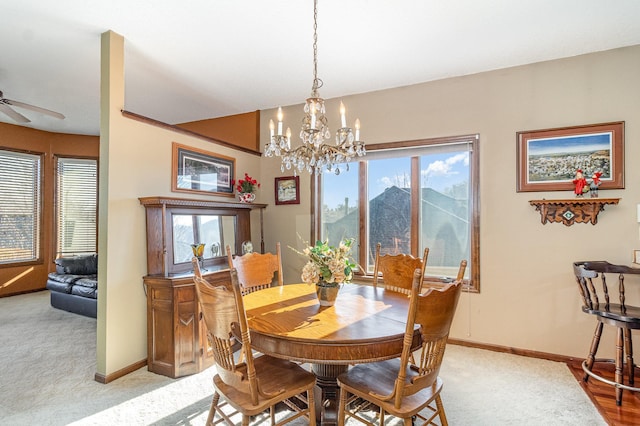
{"x":78,"y":265}
{"x":64,"y":278}
{"x":78,"y":290}
{"x":90,"y":281}
{"x":58,"y":286}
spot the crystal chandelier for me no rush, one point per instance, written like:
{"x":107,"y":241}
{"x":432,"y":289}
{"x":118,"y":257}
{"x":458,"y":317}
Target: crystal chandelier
{"x":314,"y":154}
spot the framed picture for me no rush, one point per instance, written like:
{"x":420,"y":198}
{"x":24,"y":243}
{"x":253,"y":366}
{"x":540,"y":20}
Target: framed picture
{"x":549,"y":159}
{"x":287,"y":190}
{"x":196,"y":170}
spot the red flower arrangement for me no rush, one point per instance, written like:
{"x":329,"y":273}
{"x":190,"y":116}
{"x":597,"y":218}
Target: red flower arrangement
{"x":246,"y":185}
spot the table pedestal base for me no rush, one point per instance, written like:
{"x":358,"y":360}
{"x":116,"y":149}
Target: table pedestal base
{"x":327,"y":393}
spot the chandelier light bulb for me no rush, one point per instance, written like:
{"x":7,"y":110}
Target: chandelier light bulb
{"x":280,"y":117}
{"x":313,"y":116}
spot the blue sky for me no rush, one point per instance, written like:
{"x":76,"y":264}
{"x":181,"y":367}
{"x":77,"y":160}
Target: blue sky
{"x":584,"y":143}
{"x":439,"y":171}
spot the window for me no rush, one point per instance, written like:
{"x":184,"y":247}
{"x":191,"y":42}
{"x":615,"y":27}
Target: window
{"x":408,"y":196}
{"x":76,"y":206}
{"x":20,"y":206}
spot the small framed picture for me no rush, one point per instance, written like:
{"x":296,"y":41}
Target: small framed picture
{"x":287,"y":190}
{"x":636,"y":256}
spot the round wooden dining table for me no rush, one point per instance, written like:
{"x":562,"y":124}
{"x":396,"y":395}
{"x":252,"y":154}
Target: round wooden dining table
{"x":366,"y":324}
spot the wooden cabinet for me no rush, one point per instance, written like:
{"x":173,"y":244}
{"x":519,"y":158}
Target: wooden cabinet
{"x":176,"y":333}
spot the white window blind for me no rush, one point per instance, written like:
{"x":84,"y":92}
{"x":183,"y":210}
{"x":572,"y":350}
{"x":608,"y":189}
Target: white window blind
{"x":76,"y":206}
{"x":20,"y":206}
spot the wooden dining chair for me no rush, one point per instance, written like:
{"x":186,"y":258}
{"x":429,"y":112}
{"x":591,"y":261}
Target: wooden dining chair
{"x":255,"y":270}
{"x":256,"y":384}
{"x":596,"y":300}
{"x":398,"y":387}
{"x":397,"y":270}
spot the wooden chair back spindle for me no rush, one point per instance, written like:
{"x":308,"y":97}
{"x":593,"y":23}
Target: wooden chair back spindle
{"x":397,"y":270}
{"x":257,"y":271}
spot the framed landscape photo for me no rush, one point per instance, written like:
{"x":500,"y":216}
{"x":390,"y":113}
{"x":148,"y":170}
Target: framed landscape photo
{"x":199,"y":171}
{"x":287,"y":190}
{"x":548,"y":159}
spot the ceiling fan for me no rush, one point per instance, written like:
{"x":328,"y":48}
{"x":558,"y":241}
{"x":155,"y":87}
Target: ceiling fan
{"x":6,"y":104}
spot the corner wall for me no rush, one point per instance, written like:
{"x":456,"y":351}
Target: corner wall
{"x":135,"y":162}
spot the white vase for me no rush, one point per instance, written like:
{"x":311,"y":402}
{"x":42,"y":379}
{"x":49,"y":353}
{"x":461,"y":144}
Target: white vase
{"x":246,"y":197}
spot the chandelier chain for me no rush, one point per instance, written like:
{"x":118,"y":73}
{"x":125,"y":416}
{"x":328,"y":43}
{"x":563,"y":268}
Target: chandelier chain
{"x":317,"y":83}
{"x":314,"y":154}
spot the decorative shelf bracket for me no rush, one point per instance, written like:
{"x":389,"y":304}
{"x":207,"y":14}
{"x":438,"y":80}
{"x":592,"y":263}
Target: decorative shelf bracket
{"x":570,"y":211}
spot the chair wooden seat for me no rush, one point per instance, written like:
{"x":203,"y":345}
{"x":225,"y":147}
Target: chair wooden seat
{"x":277,"y":377}
{"x":359,"y":382}
{"x":596,"y":301}
{"x":398,"y":386}
{"x":257,"y":383}
{"x":616,"y":312}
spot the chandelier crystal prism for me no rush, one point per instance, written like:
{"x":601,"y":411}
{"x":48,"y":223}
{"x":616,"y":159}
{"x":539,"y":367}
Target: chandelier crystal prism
{"x":314,"y":155}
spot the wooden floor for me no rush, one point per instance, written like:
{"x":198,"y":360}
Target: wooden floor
{"x":603,"y":396}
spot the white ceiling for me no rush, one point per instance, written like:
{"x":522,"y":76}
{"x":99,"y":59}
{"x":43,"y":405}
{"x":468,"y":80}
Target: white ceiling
{"x":195,"y":59}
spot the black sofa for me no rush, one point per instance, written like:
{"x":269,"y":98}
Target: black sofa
{"x":74,"y":285}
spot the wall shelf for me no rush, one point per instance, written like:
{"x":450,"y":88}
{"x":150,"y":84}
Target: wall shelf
{"x":570,"y":211}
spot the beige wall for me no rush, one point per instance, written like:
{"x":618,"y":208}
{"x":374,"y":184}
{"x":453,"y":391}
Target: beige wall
{"x":135,"y":162}
{"x":528,"y":297}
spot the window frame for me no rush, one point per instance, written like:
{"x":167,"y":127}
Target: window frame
{"x":56,"y":212}
{"x":39,"y":234}
{"x":473,"y":283}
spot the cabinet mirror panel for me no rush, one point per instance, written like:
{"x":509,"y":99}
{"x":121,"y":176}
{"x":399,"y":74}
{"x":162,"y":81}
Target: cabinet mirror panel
{"x":214,"y":231}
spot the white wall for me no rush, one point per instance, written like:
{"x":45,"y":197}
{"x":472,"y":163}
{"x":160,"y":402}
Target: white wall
{"x":529,"y":298}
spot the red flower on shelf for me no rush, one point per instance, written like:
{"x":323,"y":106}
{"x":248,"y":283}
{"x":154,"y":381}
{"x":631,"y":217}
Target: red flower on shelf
{"x":246,"y":185}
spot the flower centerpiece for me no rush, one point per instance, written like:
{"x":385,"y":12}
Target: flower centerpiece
{"x":328,"y":267}
{"x":246,"y":188}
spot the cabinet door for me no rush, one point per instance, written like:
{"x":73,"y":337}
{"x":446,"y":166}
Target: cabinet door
{"x":187,"y":326}
{"x":160,"y":358}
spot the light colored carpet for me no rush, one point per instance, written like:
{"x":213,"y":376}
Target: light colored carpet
{"x":48,"y":364}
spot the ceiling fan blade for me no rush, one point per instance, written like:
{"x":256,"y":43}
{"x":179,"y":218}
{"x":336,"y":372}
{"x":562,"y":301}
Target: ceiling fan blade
{"x":13,"y":114}
{"x":34,"y":108}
